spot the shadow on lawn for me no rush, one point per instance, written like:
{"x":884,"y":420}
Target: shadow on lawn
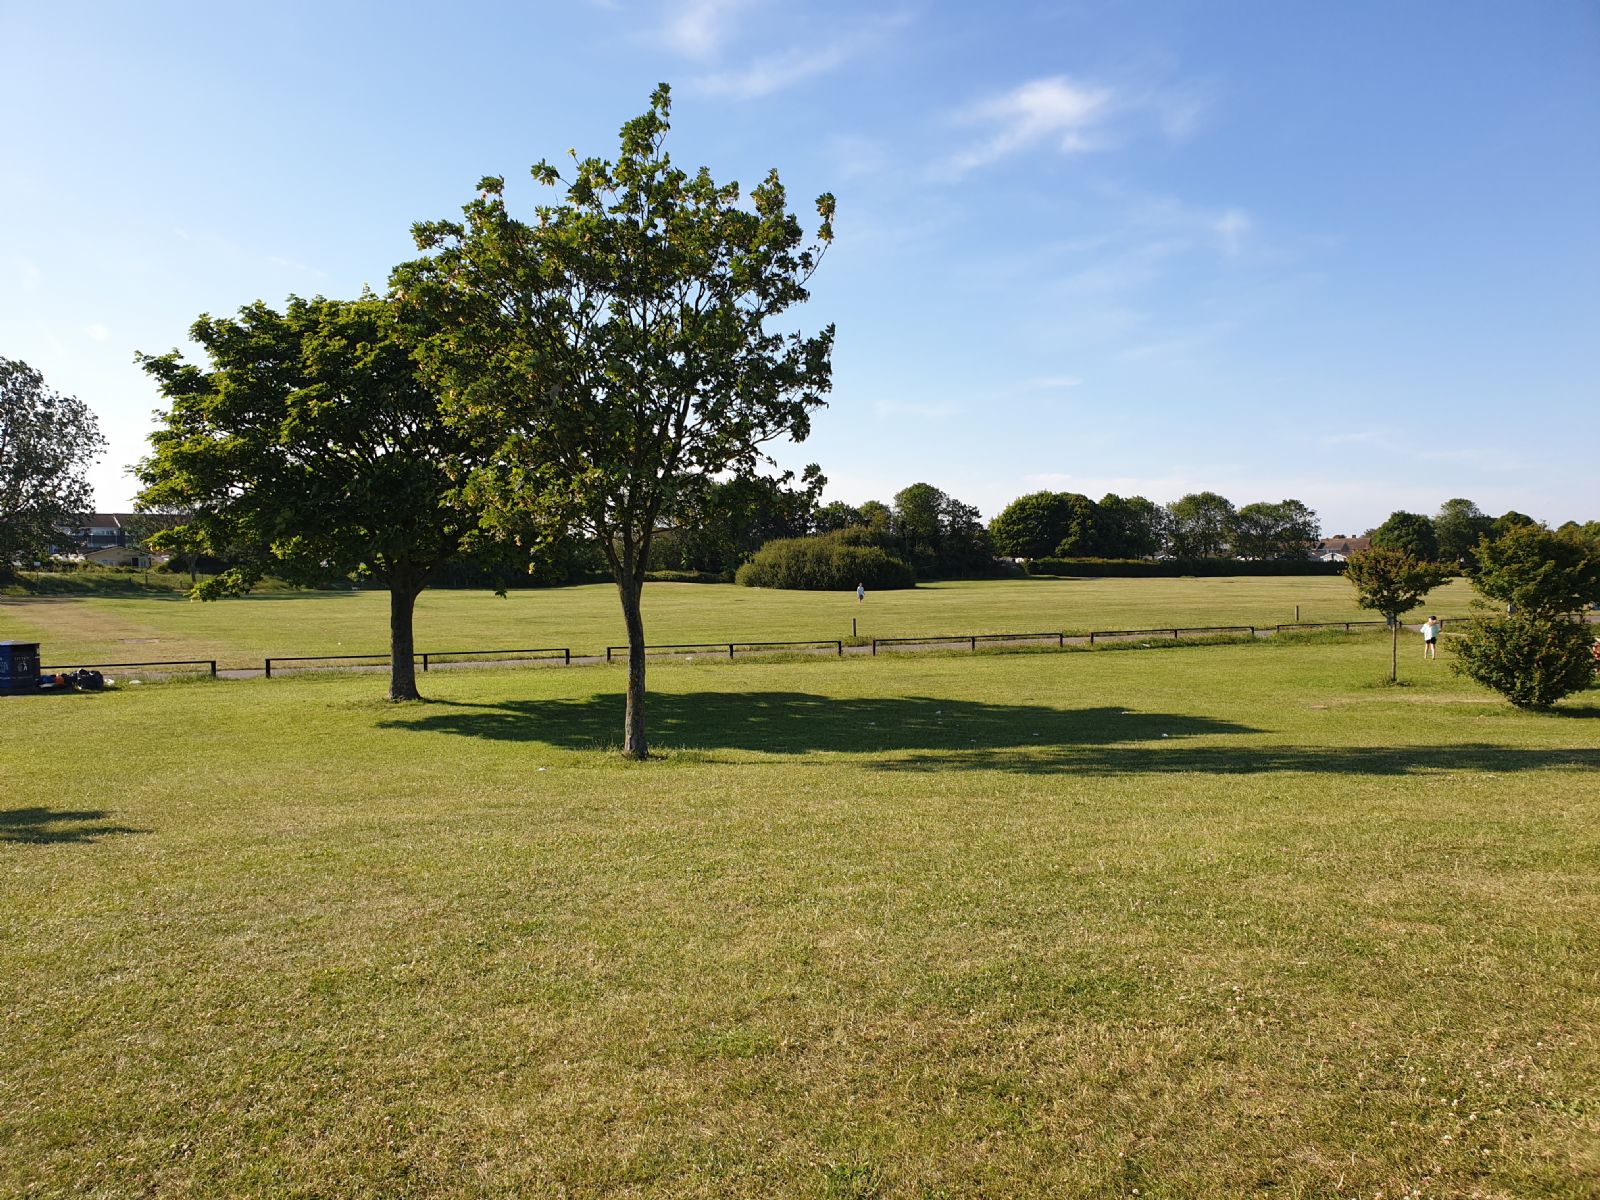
{"x":45,"y":825}
{"x":789,"y":722}
{"x":1257,"y":760}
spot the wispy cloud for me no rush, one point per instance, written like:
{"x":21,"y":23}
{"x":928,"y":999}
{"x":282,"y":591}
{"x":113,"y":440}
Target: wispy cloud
{"x":1051,"y":383}
{"x":97,"y":332}
{"x":1231,"y":228}
{"x":1057,"y":111}
{"x":774,"y":73}
{"x":699,"y":28}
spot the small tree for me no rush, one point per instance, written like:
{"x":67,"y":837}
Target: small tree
{"x":47,"y":442}
{"x":1196,"y":525}
{"x":312,"y":442}
{"x":1537,"y":653}
{"x":1391,"y":582}
{"x":618,"y":345}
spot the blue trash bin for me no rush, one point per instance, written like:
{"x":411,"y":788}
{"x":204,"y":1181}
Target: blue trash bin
{"x":19,"y":667}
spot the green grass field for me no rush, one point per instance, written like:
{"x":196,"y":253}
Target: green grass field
{"x":241,"y":632}
{"x":1214,"y":921}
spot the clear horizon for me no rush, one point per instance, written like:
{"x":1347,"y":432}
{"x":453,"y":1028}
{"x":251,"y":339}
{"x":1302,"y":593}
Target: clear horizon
{"x":1344,"y":254}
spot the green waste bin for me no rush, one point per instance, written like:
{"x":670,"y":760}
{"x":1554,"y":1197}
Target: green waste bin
{"x":19,"y":667}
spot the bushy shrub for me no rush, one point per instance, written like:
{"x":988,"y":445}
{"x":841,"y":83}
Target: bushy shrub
{"x":1531,"y":661}
{"x":687,"y":577}
{"x":1172,"y":568}
{"x":825,"y":563}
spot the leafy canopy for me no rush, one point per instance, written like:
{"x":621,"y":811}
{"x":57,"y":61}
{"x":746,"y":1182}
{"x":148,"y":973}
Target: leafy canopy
{"x":1539,"y":572}
{"x":47,"y":442}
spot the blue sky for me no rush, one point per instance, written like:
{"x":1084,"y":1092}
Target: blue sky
{"x":1347,"y":253}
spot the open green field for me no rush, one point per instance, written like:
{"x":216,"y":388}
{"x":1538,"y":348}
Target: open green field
{"x":1191,"y":922}
{"x":241,"y":632}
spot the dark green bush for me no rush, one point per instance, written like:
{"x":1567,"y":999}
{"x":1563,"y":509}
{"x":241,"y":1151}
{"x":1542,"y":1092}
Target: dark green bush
{"x":1531,"y":661}
{"x":824,"y":563}
{"x":687,"y":577}
{"x":1172,"y":568}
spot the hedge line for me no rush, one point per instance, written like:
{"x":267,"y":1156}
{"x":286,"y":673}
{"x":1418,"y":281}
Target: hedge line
{"x":1171,"y":568}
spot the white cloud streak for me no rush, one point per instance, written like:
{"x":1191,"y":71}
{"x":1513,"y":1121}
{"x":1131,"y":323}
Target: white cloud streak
{"x":776,"y":72}
{"x":699,"y":28}
{"x":1056,"y":111}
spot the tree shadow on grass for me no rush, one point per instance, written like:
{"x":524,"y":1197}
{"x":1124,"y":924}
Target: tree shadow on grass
{"x":793,"y":722}
{"x":1107,"y":760}
{"x":46,"y":825}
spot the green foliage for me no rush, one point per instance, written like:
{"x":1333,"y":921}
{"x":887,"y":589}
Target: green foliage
{"x":1532,"y":661}
{"x":827,"y":562}
{"x":1081,"y":535}
{"x":1173,"y":568}
{"x":47,"y":442}
{"x":1392,"y":582}
{"x":1285,"y":530}
{"x":722,"y":523}
{"x":1407,"y":533}
{"x":1031,"y":526}
{"x":1196,"y":525}
{"x":309,"y":447}
{"x":1128,"y":526}
{"x":940,"y":537}
{"x":617,"y":350}
{"x":1539,"y":572}
{"x":1457,"y":528}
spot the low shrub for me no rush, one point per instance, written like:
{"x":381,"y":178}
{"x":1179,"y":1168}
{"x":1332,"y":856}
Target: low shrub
{"x":1531,"y":661}
{"x":822,"y":564}
{"x":686,"y":577}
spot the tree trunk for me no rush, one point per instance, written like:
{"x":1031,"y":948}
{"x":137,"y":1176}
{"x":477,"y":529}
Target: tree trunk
{"x":1394,"y":648}
{"x":633,"y":740}
{"x":402,"y":661}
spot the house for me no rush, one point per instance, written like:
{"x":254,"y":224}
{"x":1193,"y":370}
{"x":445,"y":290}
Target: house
{"x":101,"y":531}
{"x":108,"y":540}
{"x":1339,"y":548}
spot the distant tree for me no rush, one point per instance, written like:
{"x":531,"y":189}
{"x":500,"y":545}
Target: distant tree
{"x":1031,"y":526}
{"x":1392,"y":582}
{"x":1509,"y":520}
{"x":1128,"y":527}
{"x":917,"y":524}
{"x":1081,"y":538}
{"x":1197,"y":525}
{"x":837,"y":515}
{"x":47,"y":442}
{"x":1589,"y":530}
{"x":310,"y":443}
{"x":964,"y":547}
{"x":173,"y":522}
{"x":621,"y":343}
{"x":1285,"y":530}
{"x":720,"y":523}
{"x":1457,"y":528}
{"x":1409,"y":533}
{"x":1536,"y":653}
{"x":878,"y":518}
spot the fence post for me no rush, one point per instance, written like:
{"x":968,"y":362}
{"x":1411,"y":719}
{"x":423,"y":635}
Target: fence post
{"x":566,"y":656}
{"x":1174,"y":635}
{"x":608,"y":653}
{"x":213,"y":668}
{"x":972,"y":642}
{"x":874,"y":647}
{"x":269,"y":669}
{"x":1091,"y":637}
{"x":1347,"y":626}
{"x":730,"y":649}
{"x":839,"y":646}
{"x":1061,"y":641}
{"x":424,"y":664}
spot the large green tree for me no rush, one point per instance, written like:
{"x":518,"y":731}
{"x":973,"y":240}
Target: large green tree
{"x":1539,"y":651}
{"x":620,"y":345}
{"x":1409,"y":533}
{"x":47,"y":442}
{"x":1197,"y":525}
{"x":1457,"y":527}
{"x":1392,"y":582}
{"x":310,"y":441}
{"x":1031,"y":526}
{"x":1285,"y":530}
{"x":1128,"y":526}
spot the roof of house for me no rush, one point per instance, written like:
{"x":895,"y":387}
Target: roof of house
{"x":1344,"y":545}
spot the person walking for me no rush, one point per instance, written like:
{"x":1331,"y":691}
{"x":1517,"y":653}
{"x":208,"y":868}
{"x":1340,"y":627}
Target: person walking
{"x":861,"y":592}
{"x":1430,"y":638}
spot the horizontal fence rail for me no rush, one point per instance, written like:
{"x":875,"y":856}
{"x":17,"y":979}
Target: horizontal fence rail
{"x":1174,"y":632}
{"x":423,"y":656}
{"x":164,"y":662}
{"x":836,"y":644}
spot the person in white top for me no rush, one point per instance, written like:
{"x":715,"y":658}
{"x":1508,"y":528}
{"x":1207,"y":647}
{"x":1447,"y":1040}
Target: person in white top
{"x":1430,"y":638}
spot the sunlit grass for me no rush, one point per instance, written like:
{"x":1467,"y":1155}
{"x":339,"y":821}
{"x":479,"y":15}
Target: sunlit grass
{"x":1214,"y":921}
{"x":241,"y":632}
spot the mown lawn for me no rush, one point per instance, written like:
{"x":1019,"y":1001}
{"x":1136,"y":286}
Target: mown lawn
{"x":1220,"y":921}
{"x":241,"y":632}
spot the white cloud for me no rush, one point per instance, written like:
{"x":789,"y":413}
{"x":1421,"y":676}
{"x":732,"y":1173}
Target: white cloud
{"x":97,"y":332}
{"x":1050,"y":383}
{"x":698,"y":28}
{"x":776,"y":72}
{"x":1054,"y":111}
{"x":1231,"y":228}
